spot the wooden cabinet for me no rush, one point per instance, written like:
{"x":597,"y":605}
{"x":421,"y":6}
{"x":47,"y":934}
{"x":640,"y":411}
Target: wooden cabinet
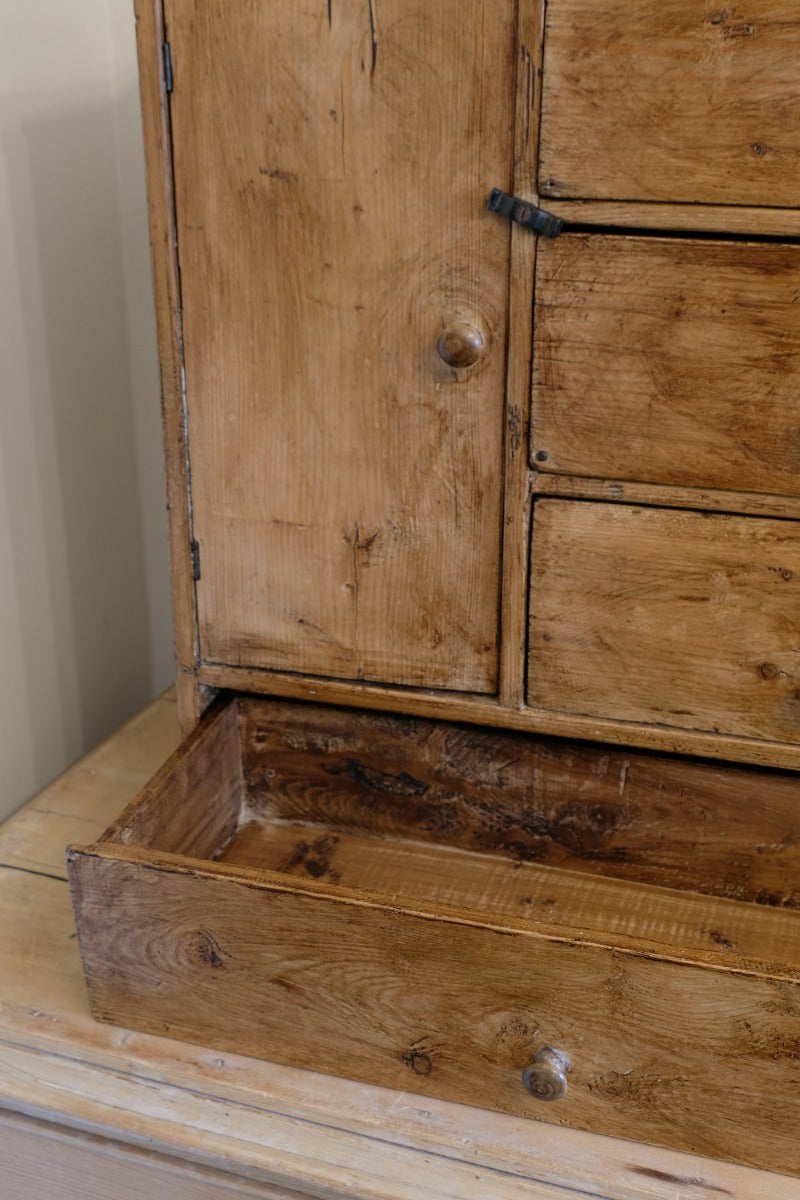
{"x":451,"y":477}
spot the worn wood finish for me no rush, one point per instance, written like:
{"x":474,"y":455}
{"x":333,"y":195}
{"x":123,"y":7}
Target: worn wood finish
{"x":486,"y":884}
{"x":680,"y":823}
{"x":534,"y":719}
{"x":192,"y":699}
{"x":678,"y":618}
{"x":193,"y":803}
{"x":516,"y":497}
{"x":282,"y":1127}
{"x":668,"y":360}
{"x":680,"y":218}
{"x":343,"y":477}
{"x":676,"y":101}
{"x":392,"y":995}
{"x":51,"y":1163}
{"x":666,"y":496}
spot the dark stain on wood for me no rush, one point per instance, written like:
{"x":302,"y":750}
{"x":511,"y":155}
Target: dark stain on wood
{"x":208,"y":950}
{"x":725,"y":830}
{"x":679,"y":1180}
{"x":315,"y":858}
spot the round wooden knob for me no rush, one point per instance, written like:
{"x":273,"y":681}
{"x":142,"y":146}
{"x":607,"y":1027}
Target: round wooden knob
{"x":546,"y":1077}
{"x":460,"y":346}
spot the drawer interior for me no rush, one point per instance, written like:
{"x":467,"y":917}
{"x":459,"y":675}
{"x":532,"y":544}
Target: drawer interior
{"x":491,"y":821}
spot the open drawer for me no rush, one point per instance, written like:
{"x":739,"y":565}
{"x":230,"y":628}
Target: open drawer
{"x":440,"y":908}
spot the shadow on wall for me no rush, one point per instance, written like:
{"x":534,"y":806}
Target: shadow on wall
{"x":68,"y":446}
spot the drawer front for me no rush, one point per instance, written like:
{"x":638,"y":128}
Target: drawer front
{"x":668,"y":360}
{"x":701,"y":1058}
{"x":673,"y":100}
{"x":682,"y":619}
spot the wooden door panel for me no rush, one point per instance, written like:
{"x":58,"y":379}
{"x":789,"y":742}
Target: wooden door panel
{"x":332,"y":162}
{"x":671,"y":100}
{"x":668,"y":360}
{"x":677,"y":618}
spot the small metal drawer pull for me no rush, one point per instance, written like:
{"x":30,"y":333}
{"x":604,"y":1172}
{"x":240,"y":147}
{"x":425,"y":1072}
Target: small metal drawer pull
{"x":546,"y":1077}
{"x":524,"y":213}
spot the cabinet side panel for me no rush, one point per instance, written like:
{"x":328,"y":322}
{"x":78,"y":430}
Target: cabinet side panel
{"x":166,"y":287}
{"x":332,"y":165}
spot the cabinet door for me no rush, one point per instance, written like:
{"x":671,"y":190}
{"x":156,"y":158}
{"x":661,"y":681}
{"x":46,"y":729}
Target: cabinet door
{"x":331,"y":165}
{"x":679,"y":100}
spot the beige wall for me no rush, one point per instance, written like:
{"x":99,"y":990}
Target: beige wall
{"x":84,"y":601}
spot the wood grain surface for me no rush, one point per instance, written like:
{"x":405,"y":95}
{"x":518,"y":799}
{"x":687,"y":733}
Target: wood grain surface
{"x":157,"y":130}
{"x":677,"y":618}
{"x":331,"y":171}
{"x":671,"y":101}
{"x":668,"y":360}
{"x":436,"y":1000}
{"x":648,"y":818}
{"x":280,"y":1127}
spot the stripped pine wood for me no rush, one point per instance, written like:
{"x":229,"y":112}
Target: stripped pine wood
{"x":283,"y":1127}
{"x":343,"y":474}
{"x":668,"y":360}
{"x":535,"y":719}
{"x":574,"y":487}
{"x":482,"y":883}
{"x":516,"y":497}
{"x":681,"y":618}
{"x":676,"y":101}
{"x":385,"y":990}
{"x":649,"y":818}
{"x":167,"y":294}
{"x":44,"y":1160}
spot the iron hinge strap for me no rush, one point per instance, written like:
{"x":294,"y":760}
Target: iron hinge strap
{"x":524,"y":213}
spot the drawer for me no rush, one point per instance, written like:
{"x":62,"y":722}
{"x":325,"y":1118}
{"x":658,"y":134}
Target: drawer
{"x":684,"y":619}
{"x":668,"y":360}
{"x":439,"y":908}
{"x":671,"y":101}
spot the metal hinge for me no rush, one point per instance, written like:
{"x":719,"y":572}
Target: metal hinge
{"x":525,"y":213}
{"x":167,"y":66}
{"x":195,"y":551}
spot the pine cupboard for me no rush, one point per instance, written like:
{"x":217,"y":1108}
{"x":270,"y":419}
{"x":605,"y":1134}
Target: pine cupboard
{"x":488,"y":542}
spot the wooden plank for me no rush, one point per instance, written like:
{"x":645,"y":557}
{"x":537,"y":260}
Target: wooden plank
{"x":516,"y":499}
{"x":681,"y":618}
{"x":458,"y":707}
{"x":572,"y":487}
{"x":52,"y":1163}
{"x":671,"y":101}
{"x":678,"y":218}
{"x":344,"y":477}
{"x":668,"y":360}
{"x":490,"y":885}
{"x":193,"y":803}
{"x":166,"y":289}
{"x":395,"y":997}
{"x":648,"y":818}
